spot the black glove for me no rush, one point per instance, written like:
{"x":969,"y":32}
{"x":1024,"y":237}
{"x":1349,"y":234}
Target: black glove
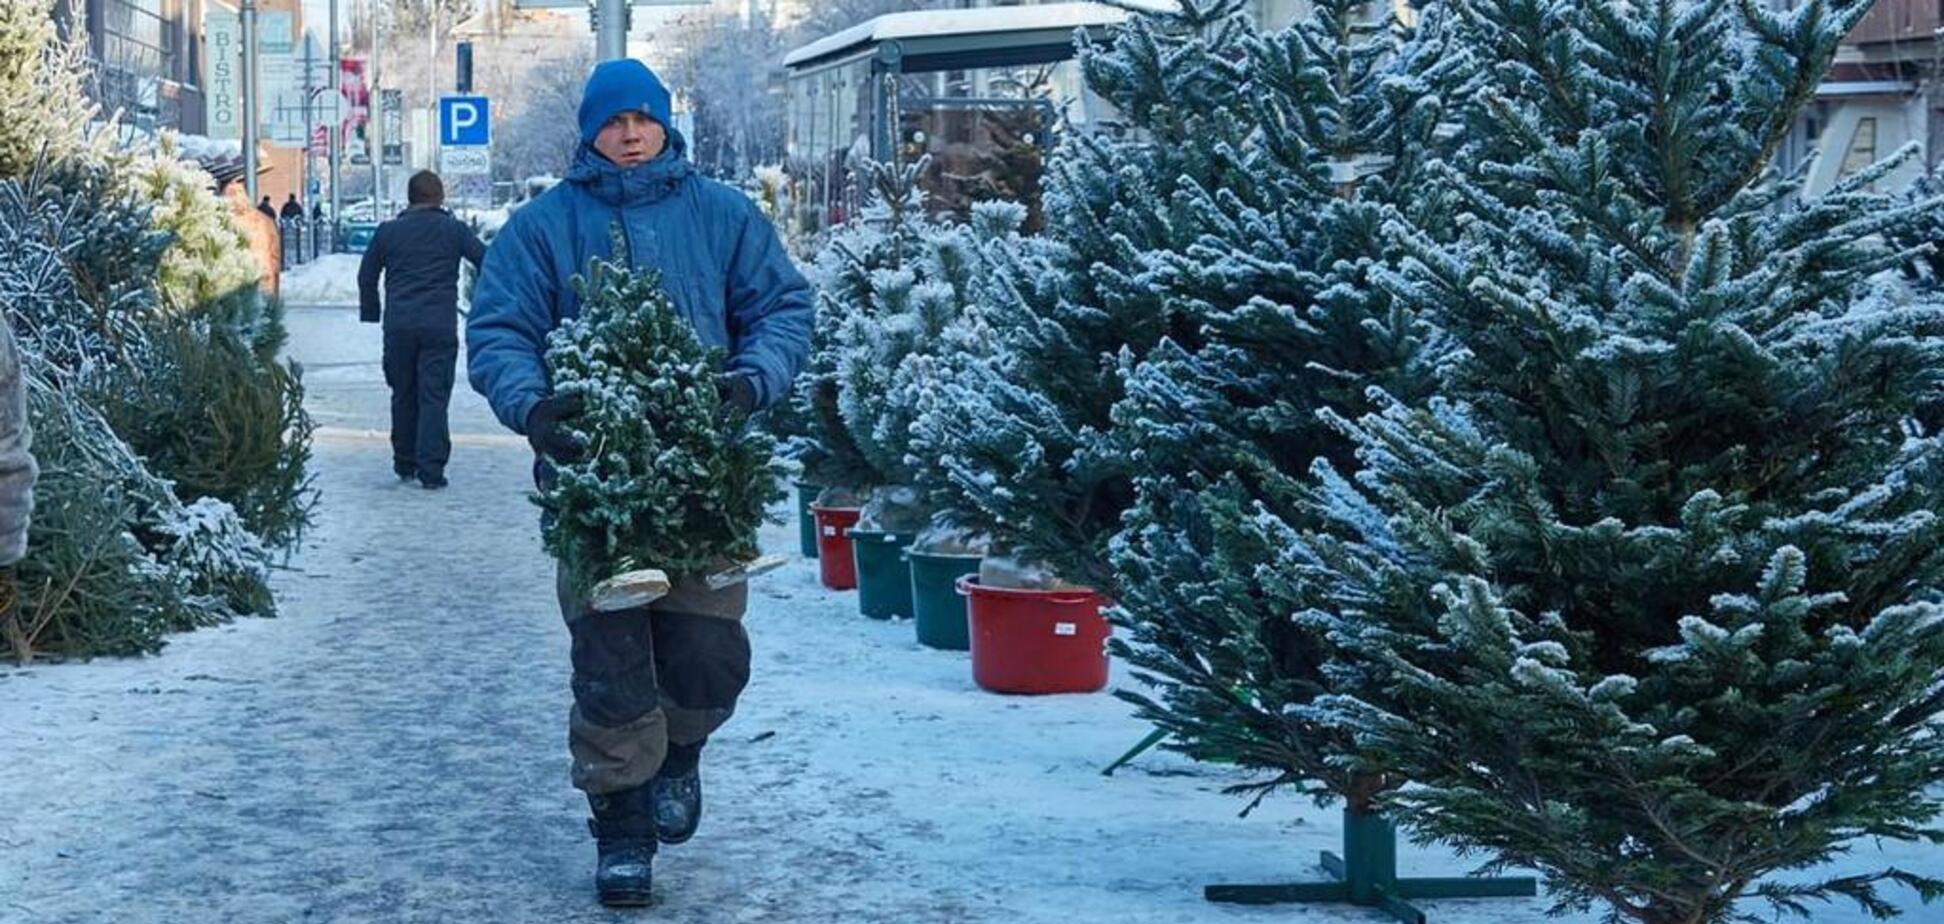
{"x":737,"y":391}
{"x":545,"y":433}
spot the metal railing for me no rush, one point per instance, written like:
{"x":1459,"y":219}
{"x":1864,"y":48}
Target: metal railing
{"x":306,"y":239}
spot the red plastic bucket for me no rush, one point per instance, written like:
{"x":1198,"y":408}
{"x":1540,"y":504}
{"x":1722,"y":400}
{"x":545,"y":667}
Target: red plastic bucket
{"x":834,"y":562}
{"x":1035,"y":641}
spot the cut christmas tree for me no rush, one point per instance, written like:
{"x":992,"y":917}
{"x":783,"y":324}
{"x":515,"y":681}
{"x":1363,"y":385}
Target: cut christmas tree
{"x":869,"y":267}
{"x":1278,"y":282}
{"x":127,"y":295}
{"x":1019,"y":446}
{"x":1650,"y":599}
{"x":671,"y":480}
{"x":1273,"y":270}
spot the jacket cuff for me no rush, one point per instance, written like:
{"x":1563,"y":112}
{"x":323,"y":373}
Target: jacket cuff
{"x":522,"y":411}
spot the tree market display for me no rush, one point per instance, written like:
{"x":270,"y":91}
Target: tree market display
{"x":1648,"y":597}
{"x":173,"y":445}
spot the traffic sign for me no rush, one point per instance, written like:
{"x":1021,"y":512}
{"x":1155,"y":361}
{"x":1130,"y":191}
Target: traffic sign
{"x":465,"y":160}
{"x":468,"y":175}
{"x":464,"y":121}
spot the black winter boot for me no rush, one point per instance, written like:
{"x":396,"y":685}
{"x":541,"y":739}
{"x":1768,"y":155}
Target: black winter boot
{"x":624,"y":832}
{"x":677,"y":792}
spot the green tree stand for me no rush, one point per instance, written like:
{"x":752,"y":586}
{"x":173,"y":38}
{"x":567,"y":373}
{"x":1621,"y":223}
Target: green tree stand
{"x":1366,"y":874}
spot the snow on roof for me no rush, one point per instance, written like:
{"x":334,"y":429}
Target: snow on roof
{"x":935,"y":23}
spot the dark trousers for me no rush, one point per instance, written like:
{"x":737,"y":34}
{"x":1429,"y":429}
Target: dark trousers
{"x":419,"y":367}
{"x":666,"y":674}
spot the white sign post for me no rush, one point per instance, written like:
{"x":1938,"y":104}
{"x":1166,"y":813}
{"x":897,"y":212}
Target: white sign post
{"x":468,"y":175}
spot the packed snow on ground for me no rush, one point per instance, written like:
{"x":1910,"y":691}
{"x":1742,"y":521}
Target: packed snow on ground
{"x":333,"y":280}
{"x":392,"y":748}
{"x":485,"y":222}
{"x":328,"y":280}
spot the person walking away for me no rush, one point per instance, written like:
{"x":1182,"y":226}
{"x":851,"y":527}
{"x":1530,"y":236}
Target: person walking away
{"x":269,"y":211}
{"x":418,"y":255}
{"x":266,"y":239}
{"x":650,"y":685}
{"x":17,"y":468}
{"x":292,"y":209}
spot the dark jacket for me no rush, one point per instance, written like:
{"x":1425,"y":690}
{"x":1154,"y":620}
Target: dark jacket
{"x":291,"y":209}
{"x":719,"y":260}
{"x":418,"y":252}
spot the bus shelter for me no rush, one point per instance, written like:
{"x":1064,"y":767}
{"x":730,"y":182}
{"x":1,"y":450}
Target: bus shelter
{"x":984,"y":92}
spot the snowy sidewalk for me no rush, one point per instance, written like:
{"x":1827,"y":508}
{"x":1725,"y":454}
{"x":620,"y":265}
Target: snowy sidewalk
{"x":392,"y":749}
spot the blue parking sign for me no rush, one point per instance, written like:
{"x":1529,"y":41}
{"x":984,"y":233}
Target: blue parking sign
{"x":464,"y":121}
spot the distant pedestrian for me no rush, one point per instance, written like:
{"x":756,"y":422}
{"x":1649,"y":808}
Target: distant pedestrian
{"x":269,"y":211}
{"x":17,"y":468}
{"x":292,"y":209}
{"x":418,"y":255}
{"x":259,"y":228}
{"x":317,"y":211}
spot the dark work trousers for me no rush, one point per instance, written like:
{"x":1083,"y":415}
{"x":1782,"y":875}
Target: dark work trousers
{"x":668,"y":673}
{"x":418,"y":367}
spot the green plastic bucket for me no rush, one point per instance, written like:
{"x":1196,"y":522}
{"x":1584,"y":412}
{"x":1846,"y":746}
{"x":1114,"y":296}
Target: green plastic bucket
{"x":938,"y":608}
{"x":883,"y":575}
{"x":807,"y":521}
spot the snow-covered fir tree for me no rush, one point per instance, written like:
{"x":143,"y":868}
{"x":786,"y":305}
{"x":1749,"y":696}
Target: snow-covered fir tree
{"x":1019,"y":447}
{"x":42,"y":81}
{"x":884,"y":244}
{"x":172,"y":447}
{"x":669,"y":480}
{"x":208,"y":259}
{"x":920,"y":332}
{"x":1649,"y":599}
{"x":81,"y":276}
{"x":118,"y":559}
{"x":1278,"y":279}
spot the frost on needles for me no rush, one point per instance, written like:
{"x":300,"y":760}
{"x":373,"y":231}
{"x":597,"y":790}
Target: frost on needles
{"x":670,"y":479}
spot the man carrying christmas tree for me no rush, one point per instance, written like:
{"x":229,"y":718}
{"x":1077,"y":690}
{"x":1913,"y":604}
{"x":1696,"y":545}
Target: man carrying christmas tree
{"x":649,"y":686}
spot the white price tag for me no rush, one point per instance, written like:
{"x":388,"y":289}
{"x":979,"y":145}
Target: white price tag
{"x":1065,"y":628}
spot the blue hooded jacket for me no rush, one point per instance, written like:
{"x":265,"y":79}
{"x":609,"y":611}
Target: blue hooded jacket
{"x":720,"y":262}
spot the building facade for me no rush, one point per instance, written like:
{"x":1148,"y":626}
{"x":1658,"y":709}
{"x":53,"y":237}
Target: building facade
{"x":147,"y":61}
{"x":1882,"y":93}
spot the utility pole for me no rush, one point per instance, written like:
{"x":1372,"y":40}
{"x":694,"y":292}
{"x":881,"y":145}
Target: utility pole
{"x":375,"y":131}
{"x":250,"y":123}
{"x":611,"y":29}
{"x":337,"y":117}
{"x":432,"y":57}
{"x":304,"y":160}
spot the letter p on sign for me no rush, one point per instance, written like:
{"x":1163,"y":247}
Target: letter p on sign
{"x":464,"y":121}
